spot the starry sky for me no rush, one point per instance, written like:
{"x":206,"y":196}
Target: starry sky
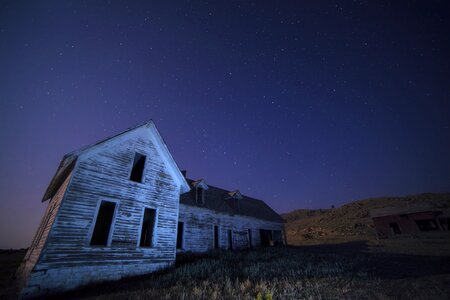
{"x":302,"y":104}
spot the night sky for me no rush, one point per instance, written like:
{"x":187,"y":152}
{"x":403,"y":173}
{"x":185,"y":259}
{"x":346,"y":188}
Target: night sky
{"x":302,"y":105}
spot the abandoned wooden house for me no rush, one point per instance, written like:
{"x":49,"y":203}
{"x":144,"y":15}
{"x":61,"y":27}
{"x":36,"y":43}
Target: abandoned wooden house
{"x":411,"y":221}
{"x":122,"y":207}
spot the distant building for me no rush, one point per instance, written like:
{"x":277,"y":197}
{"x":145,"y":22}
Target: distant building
{"x":413,"y":221}
{"x":122,"y":207}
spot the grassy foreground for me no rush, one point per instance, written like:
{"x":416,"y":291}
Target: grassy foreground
{"x":350,"y":271}
{"x":401,"y":269}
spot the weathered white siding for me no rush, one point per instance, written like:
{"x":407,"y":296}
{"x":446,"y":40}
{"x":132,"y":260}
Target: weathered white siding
{"x":199,"y":229}
{"x":67,"y":259}
{"x":40,"y":238}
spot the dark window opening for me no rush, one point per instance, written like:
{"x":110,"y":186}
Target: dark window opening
{"x":250,"y":242}
{"x":199,"y":195}
{"x":180,"y":234}
{"x":138,"y":167}
{"x":230,"y":240}
{"x":427,"y":225}
{"x":395,"y":228}
{"x":148,"y":225}
{"x":103,"y":224}
{"x":266,"y":237}
{"x":216,"y":237}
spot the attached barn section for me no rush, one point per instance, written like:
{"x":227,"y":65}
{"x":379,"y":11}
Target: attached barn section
{"x":225,"y":220}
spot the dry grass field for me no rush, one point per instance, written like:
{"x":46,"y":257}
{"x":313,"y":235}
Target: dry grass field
{"x":352,"y":270}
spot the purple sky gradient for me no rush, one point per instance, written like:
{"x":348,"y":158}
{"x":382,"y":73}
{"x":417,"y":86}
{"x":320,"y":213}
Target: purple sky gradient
{"x":301,"y":105}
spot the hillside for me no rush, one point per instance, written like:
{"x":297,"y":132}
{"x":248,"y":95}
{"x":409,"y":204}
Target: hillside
{"x":350,"y":221}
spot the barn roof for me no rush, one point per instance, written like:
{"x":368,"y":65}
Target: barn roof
{"x":401,"y":210}
{"x":68,"y":161}
{"x":216,"y":200}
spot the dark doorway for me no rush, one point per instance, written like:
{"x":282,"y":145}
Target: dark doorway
{"x":230,"y":240}
{"x":216,"y":237}
{"x":148,"y":225}
{"x":266,"y":237}
{"x":103,"y":224}
{"x":180,"y":235}
{"x":250,"y":242}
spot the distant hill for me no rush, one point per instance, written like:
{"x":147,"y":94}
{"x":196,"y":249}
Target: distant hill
{"x":351,"y":220}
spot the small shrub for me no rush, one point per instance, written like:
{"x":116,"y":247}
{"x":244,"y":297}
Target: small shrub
{"x":267,"y":296}
{"x":258,"y":296}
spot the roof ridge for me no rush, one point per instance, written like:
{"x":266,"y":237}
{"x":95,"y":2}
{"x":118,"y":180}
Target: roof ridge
{"x":107,"y":138}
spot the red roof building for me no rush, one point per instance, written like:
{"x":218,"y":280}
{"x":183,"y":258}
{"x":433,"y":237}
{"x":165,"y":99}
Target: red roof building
{"x":411,"y":221}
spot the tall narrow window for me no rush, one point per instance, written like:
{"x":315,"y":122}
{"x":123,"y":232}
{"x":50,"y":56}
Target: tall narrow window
{"x":148,"y":226}
{"x":216,"y":237}
{"x":199,"y":194}
{"x":250,"y":242}
{"x":180,"y":234}
{"x":230,"y":240}
{"x":103,"y":224}
{"x":138,"y":167}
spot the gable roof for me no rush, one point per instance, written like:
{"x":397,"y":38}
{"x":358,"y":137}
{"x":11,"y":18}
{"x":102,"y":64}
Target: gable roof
{"x":68,"y":161}
{"x":200,"y":183}
{"x":235,"y":194}
{"x":215,"y":199}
